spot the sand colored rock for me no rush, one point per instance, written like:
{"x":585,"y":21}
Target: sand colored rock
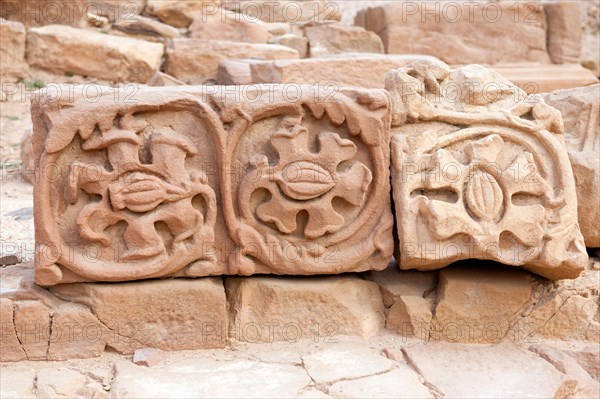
{"x":148,"y":357}
{"x":17,"y":384}
{"x":336,"y":38}
{"x":196,"y":61}
{"x":345,"y":70}
{"x":590,"y":47}
{"x":294,"y":11}
{"x":269,"y":309}
{"x":469,"y":177}
{"x":162,"y":79}
{"x":282,"y":208}
{"x":229,"y":26}
{"x":179,"y":14}
{"x":63,"y":49}
{"x":28,"y":171}
{"x":32,"y":323}
{"x":168,"y":314}
{"x":459,"y":371}
{"x":461,"y":33}
{"x":298,"y":43}
{"x":146,"y":28}
{"x":12,"y":51}
{"x":580,"y":108}
{"x":479,"y":304}
{"x":10,"y":347}
{"x":564,"y":41}
{"x":235,"y":72}
{"x":536,"y":78}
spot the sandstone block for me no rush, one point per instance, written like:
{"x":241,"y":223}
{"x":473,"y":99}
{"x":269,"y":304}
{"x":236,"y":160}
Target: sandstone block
{"x":267,"y":309}
{"x":11,"y":349}
{"x":32,"y":323}
{"x":590,"y":47}
{"x":469,"y":178}
{"x":230,"y":26}
{"x":461,"y":33}
{"x":460,"y":371}
{"x":64,"y":49}
{"x":179,"y":14}
{"x":479,"y":304}
{"x":148,"y":357}
{"x":346,"y":70}
{"x":195,"y":61}
{"x":146,"y":28}
{"x":580,"y":108}
{"x":168,"y":314}
{"x":298,"y":43}
{"x":336,"y":38}
{"x":536,"y":79}
{"x":12,"y":50}
{"x":162,"y":79}
{"x":27,"y":159}
{"x":235,"y":72}
{"x":294,"y":11}
{"x":306,"y":190}
{"x":564,"y":42}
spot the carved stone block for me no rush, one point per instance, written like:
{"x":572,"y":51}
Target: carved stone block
{"x":209,"y":181}
{"x":480,"y":170}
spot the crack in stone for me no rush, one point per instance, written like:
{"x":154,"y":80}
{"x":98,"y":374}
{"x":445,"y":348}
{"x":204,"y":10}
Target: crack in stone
{"x":14,"y":310}
{"x":433,"y":390}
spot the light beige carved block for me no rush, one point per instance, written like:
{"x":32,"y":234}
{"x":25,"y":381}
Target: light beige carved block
{"x":480,"y":170}
{"x":192,"y":181}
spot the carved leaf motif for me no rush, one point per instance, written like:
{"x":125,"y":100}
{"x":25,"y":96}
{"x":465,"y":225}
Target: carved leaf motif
{"x":484,"y":196}
{"x":304,"y":180}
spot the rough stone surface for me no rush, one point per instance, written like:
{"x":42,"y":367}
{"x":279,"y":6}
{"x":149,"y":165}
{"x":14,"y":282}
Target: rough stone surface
{"x":460,"y":371}
{"x":461,"y":33}
{"x":298,"y":43}
{"x":148,"y":357}
{"x":64,"y":49}
{"x":32,"y":323}
{"x":235,"y":72}
{"x":27,"y":158}
{"x":346,"y":70}
{"x":179,"y":14}
{"x":59,"y":383}
{"x":580,"y":108}
{"x":336,"y":38}
{"x":146,"y":28}
{"x":359,"y":361}
{"x":12,"y":51}
{"x":564,"y":41}
{"x":469,"y":178}
{"x":196,"y":61}
{"x":196,"y":378}
{"x":228,"y":25}
{"x":536,"y":79}
{"x":398,"y":383}
{"x":17,"y":384}
{"x":168,"y":314}
{"x":266,"y":309}
{"x":479,"y":304}
{"x":162,"y":79}
{"x":590,"y":48}
{"x":11,"y":349}
{"x":186,"y":218}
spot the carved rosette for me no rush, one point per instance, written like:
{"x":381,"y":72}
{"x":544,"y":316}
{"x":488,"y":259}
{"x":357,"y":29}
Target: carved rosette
{"x":311,"y":195}
{"x":480,"y":171}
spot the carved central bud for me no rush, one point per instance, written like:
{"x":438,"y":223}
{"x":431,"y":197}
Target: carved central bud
{"x":305,"y":180}
{"x":484,"y":196}
{"x":139,"y":192}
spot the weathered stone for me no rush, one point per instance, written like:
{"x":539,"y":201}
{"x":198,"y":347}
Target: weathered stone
{"x":536,"y":79}
{"x":410,"y":316}
{"x":590,"y":47}
{"x":588,"y":358}
{"x":12,"y":51}
{"x":179,"y":14}
{"x":68,"y":50}
{"x":195,"y":61}
{"x":580,"y":108}
{"x":460,"y":371}
{"x":286,"y":209}
{"x":146,"y":28}
{"x":17,"y":384}
{"x":27,"y":159}
{"x":469,"y":177}
{"x":9,"y":259}
{"x":162,"y":79}
{"x":564,"y":42}
{"x":358,"y":360}
{"x":77,"y":333}
{"x":395,"y":283}
{"x":587,"y":387}
{"x":148,"y":357}
{"x":294,"y":11}
{"x":234,"y":72}
{"x":10,"y":347}
{"x":168,"y":314}
{"x":228,"y":25}
{"x":298,"y":43}
{"x":399,"y":383}
{"x":208,"y":378}
{"x":32,"y":322}
{"x":346,"y":70}
{"x":59,"y":383}
{"x":463,"y":33}
{"x":478,"y":304}
{"x":326,"y":39}
{"x":267,"y":309}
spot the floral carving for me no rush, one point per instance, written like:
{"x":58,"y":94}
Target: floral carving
{"x":307,"y":181}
